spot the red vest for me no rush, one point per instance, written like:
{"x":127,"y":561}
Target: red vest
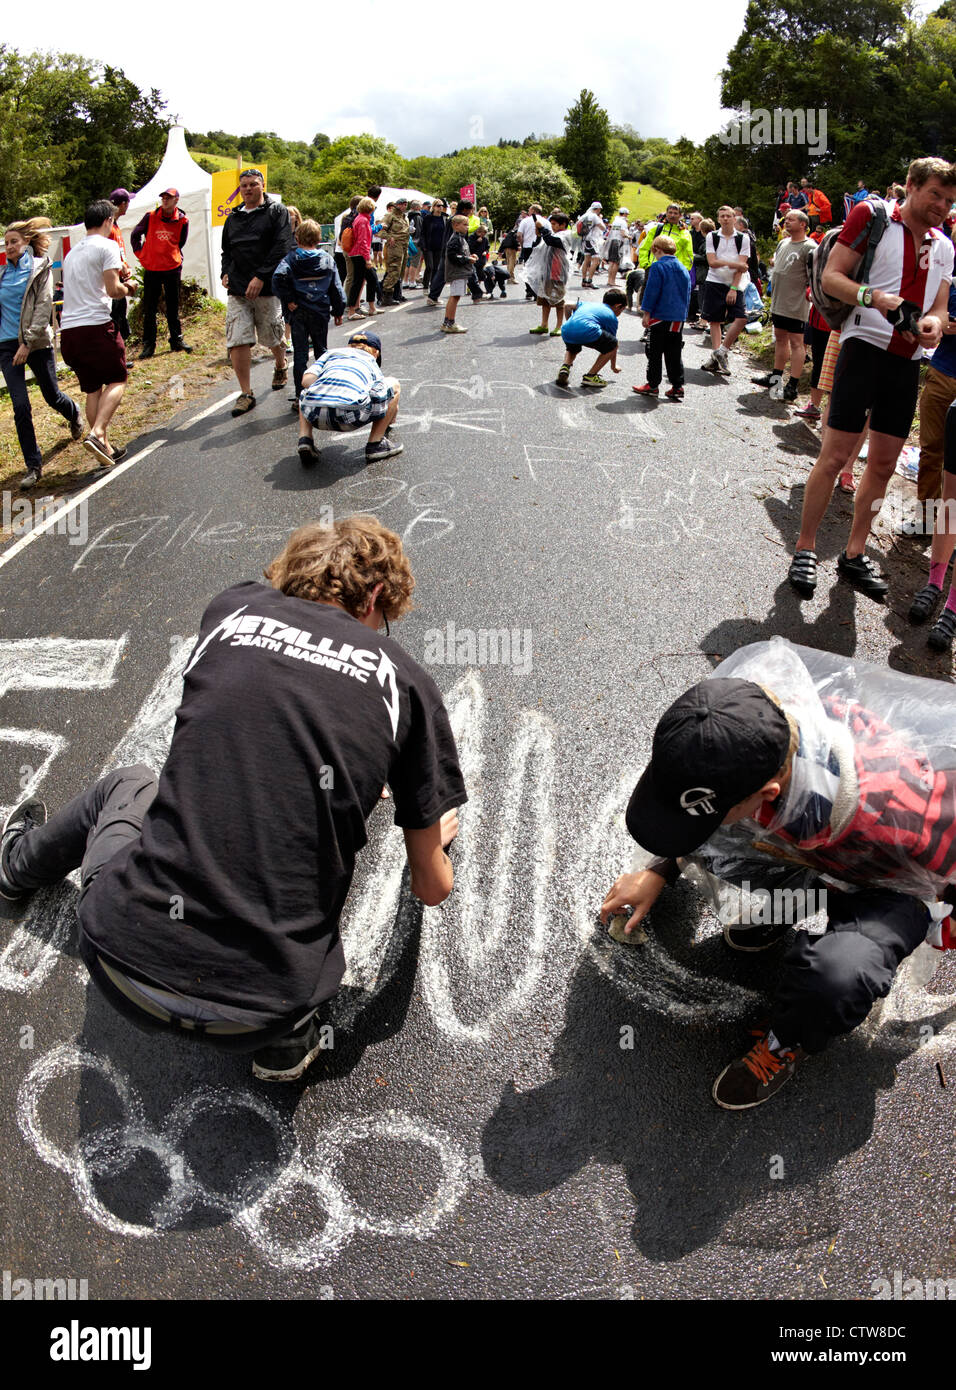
{"x":160,"y":249}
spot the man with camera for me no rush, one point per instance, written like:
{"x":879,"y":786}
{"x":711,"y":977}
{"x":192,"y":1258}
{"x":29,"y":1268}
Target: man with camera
{"x":900,"y":313}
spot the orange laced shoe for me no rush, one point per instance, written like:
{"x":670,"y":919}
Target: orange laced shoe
{"x":757,"y":1075}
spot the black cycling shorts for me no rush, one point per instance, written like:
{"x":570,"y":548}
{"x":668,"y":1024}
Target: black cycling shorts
{"x":869,"y":381}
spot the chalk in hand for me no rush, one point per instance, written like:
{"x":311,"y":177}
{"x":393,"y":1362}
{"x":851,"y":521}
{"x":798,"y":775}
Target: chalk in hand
{"x":617,"y":933}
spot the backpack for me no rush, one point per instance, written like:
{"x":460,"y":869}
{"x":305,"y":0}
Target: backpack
{"x":579,"y":226}
{"x":717,"y":234}
{"x":833,"y":310}
{"x":346,"y":239}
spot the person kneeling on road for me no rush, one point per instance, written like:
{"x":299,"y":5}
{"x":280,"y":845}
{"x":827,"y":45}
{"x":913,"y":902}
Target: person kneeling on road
{"x":343,"y":390}
{"x":210,"y":901}
{"x":776,"y":779}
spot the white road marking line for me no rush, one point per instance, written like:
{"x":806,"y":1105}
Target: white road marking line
{"x":210,"y":410}
{"x":75,"y":502}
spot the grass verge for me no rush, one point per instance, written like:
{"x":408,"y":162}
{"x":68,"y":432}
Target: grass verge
{"x":156,"y":390}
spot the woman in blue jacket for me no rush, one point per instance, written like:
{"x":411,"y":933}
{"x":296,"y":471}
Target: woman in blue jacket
{"x":26,"y":336}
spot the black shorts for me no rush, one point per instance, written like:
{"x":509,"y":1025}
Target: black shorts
{"x":600,"y":345}
{"x":868,"y":380}
{"x":787,"y":325}
{"x":715,"y":306}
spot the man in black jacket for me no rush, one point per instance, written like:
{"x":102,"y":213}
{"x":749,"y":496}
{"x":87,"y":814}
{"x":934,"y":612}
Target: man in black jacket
{"x":254,"y":239}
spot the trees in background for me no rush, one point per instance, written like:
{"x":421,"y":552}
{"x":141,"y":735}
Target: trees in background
{"x":73,"y":130}
{"x":585,"y":151}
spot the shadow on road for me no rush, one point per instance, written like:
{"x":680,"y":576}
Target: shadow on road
{"x":695,"y":1172}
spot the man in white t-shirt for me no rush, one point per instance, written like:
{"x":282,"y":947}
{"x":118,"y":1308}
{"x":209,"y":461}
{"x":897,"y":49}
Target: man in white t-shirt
{"x":89,"y":340}
{"x":728,"y":252}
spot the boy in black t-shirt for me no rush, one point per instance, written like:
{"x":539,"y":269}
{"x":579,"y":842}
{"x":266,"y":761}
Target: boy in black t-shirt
{"x":210,"y":900}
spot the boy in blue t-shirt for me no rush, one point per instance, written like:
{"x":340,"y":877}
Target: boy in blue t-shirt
{"x":595,"y":326}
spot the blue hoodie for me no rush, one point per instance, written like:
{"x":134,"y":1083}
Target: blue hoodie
{"x":666,"y":290}
{"x":307,"y":276}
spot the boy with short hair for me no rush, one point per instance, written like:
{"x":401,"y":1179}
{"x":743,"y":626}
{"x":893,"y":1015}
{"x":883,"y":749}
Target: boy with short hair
{"x":343,"y":390}
{"x":595,"y":326}
{"x":307,"y":282}
{"x":458,"y":266}
{"x":665,"y":304}
{"x":789,"y":307}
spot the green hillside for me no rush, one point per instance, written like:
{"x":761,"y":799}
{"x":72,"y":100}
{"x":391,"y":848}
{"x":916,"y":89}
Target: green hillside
{"x":648,"y":203}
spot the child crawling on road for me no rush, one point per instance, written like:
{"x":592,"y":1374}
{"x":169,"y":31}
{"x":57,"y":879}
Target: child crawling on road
{"x":594,"y":326}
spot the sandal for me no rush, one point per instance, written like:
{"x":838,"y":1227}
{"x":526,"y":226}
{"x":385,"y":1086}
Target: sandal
{"x":924,"y":604}
{"x":941,"y":634}
{"x":803,"y":572}
{"x":847,"y":483}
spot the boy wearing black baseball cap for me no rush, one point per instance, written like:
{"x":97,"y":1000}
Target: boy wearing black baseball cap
{"x":343,"y":390}
{"x":821,"y":787}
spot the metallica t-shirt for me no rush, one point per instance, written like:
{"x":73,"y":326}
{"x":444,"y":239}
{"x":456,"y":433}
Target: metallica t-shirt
{"x":294,"y":715}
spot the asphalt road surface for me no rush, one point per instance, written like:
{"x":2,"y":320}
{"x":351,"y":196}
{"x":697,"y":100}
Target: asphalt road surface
{"x":481,"y":1126}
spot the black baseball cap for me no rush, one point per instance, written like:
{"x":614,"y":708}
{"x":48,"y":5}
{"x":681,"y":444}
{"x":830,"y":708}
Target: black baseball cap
{"x":371,"y":340}
{"x":715,"y":746}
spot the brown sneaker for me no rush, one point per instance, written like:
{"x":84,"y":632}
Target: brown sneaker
{"x":757,"y":1075}
{"x":244,"y":403}
{"x":280,"y":378}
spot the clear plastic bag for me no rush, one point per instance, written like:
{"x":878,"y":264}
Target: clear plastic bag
{"x":872,"y":797}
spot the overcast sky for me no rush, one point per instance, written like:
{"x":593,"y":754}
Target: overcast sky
{"x":498,"y":71}
{"x":431,"y":83}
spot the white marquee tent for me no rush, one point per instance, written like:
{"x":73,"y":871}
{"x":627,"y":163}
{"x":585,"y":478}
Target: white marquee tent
{"x":201,"y":256}
{"x":388,"y":196}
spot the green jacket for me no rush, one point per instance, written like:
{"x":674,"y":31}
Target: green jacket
{"x":685,"y":247}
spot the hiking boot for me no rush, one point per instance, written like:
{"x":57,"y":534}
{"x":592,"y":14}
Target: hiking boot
{"x":244,"y":404}
{"x":288,"y":1058}
{"x":27,"y":816}
{"x":863,"y":574}
{"x":723,"y":365}
{"x":790,"y":390}
{"x":593,"y":379}
{"x":146,"y":352}
{"x":382,"y":449}
{"x":757,"y":1075}
{"x":179,"y":346}
{"x":757,"y":937}
{"x":30,"y":479}
{"x":306,"y":450}
{"x":711,"y":365}
{"x":280,"y":378}
{"x":387,"y":300}
{"x":767,"y":379}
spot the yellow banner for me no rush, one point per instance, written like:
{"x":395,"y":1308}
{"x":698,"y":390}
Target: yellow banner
{"x":225,"y":192}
